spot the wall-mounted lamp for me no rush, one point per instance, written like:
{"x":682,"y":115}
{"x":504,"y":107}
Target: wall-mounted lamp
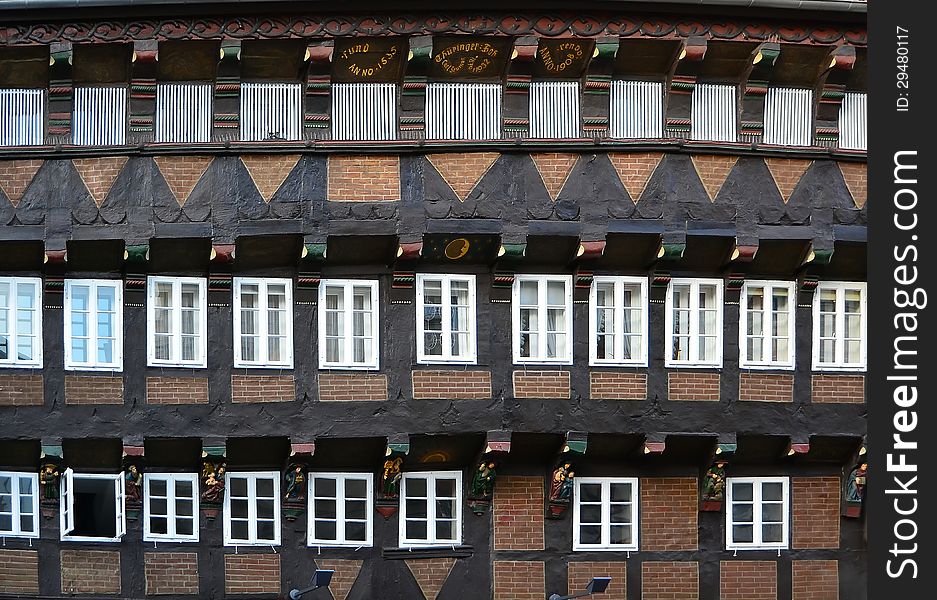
{"x":598,"y":585}
{"x":321,"y":579}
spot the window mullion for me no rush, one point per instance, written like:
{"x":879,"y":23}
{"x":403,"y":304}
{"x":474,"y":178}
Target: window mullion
{"x":339,"y":509}
{"x":175,"y":329}
{"x":445,"y":287}
{"x":542,"y":285}
{"x":431,"y":509}
{"x":349,"y":310}
{"x":694,"y":306}
{"x":840,"y":340}
{"x":171,"y":506}
{"x":757,"y":510}
{"x":618,"y":320}
{"x":252,"y":508}
{"x":606,"y":514}
{"x":767,"y":324}
{"x":262,"y":318}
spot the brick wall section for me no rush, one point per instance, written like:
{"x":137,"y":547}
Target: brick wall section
{"x":764,"y":387}
{"x":748,"y":580}
{"x":541,"y":384}
{"x":518,"y":580}
{"x":251,"y":574}
{"x":99,"y":174}
{"x":815,"y":580}
{"x":269,"y":171}
{"x":669,"y":511}
{"x":787,"y":173}
{"x":16,"y":175}
{"x":346,"y":573}
{"x":517,"y":509}
{"x":182,"y":173}
{"x":19,"y":572}
{"x":554,"y":169}
{"x":848,"y":389}
{"x":90,"y":571}
{"x":606,"y":385}
{"x":815,"y":505}
{"x":579,"y":574}
{"x":856,"y":177}
{"x":713,"y":171}
{"x":177,"y":390}
{"x":430,"y":574}
{"x":462,"y":170}
{"x":170,"y":573}
{"x":661,"y":580}
{"x":634,"y":170}
{"x":356,"y":178}
{"x":94,"y":389}
{"x":21,"y":390}
{"x":461,"y":385}
{"x":693,"y":386}
{"x":358,"y":386}
{"x":262,"y":388}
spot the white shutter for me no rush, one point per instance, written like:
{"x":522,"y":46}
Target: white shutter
{"x":788,"y":117}
{"x":67,"y":502}
{"x":120,"y":493}
{"x":364,"y":111}
{"x":554,"y":109}
{"x":636,"y":110}
{"x":100,"y":116}
{"x":463,"y":111}
{"x":853,"y":121}
{"x":271,"y":111}
{"x":184,"y":112}
{"x":714,"y":113}
{"x":22,"y":117}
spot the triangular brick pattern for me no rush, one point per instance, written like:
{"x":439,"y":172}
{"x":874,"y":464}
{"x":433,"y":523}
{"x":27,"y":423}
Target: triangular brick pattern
{"x":554,"y":169}
{"x":99,"y":174}
{"x":346,"y":572}
{"x":856,"y":176}
{"x":635,"y":170}
{"x":182,"y":173}
{"x":713,"y":171}
{"x":269,"y":171}
{"x":463,"y":171}
{"x":430,"y":574}
{"x":16,"y":175}
{"x":787,"y":173}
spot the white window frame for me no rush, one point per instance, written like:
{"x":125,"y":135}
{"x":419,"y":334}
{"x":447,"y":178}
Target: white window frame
{"x":252,"y":478}
{"x":470,"y":356}
{"x":16,"y":513}
{"x":11,"y":361}
{"x":605,"y":545}
{"x":67,"y":506}
{"x":200,"y":362}
{"x":117,"y":364}
{"x":694,"y":360}
{"x":340,"y":498}
{"x":839,"y":340}
{"x":618,"y":336}
{"x":263,"y":335}
{"x":430,"y":477}
{"x":542,"y":308}
{"x":757,"y":514}
{"x":767,"y":324}
{"x":348,"y":286}
{"x":170,"y":479}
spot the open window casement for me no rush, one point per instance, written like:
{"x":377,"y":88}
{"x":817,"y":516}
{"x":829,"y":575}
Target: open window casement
{"x":67,"y":503}
{"x":120,"y":492}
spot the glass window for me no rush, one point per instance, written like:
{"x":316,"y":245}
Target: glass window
{"x":839,"y":326}
{"x":542,"y":316}
{"x":20,"y":322}
{"x":340,"y":509}
{"x":19,"y":505}
{"x":176,"y":311}
{"x":445,"y":318}
{"x":92,"y":507}
{"x":431,"y":509}
{"x":756,"y":513}
{"x":93,"y":325}
{"x":618,"y":321}
{"x":694,"y":323}
{"x":252,"y":509}
{"x":767,"y":328}
{"x":605,"y":513}
{"x":263,"y":323}
{"x":348,"y":324}
{"x":170,"y":507}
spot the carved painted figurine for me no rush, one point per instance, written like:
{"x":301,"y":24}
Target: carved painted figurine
{"x":566,"y":488}
{"x":214,"y":483}
{"x":855,"y":485}
{"x":49,"y":478}
{"x":484,"y":480}
{"x":714,"y":484}
{"x":560,"y":476}
{"x":391,"y":477}
{"x":134,"y":480}
{"x":295,"y":484}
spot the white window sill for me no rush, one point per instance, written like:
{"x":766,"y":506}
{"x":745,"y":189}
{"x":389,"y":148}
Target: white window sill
{"x":241,"y":544}
{"x":838,"y":369}
{"x":630,"y":548}
{"x":471,"y":361}
{"x":172,"y":365}
{"x":349,"y":367}
{"x":19,"y":536}
{"x":766,"y":367}
{"x":545,"y":361}
{"x":609,"y":363}
{"x":95,"y":369}
{"x":271,"y":366}
{"x":418,"y":545}
{"x":76,"y":538}
{"x":17,"y":365}
{"x":170,"y":540}
{"x":734,"y":548}
{"x":688,"y":365}
{"x":333,"y":544}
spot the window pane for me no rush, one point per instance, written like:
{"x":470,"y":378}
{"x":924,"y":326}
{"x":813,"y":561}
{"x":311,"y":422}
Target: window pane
{"x":620,"y":513}
{"x":239,"y":530}
{"x":325,"y":509}
{"x":416,"y":487}
{"x":324,"y":487}
{"x":355,"y":509}
{"x":416,"y":509}
{"x":183,"y":507}
{"x":158,"y":506}
{"x":556,"y":293}
{"x":27,"y":523}
{"x":590,"y":534}
{"x":265,"y":530}
{"x":265,"y":488}
{"x":773,"y":513}
{"x":590,"y":513}
{"x":620,"y":534}
{"x":6,"y":522}
{"x":26,"y":486}
{"x":325,"y":530}
{"x":590,"y":492}
{"x":742,"y":534}
{"x":528,"y":293}
{"x":355,"y":532}
{"x":772,"y":491}
{"x":445,"y":488}
{"x":772,"y":534}
{"x":265,"y":509}
{"x":356,"y":488}
{"x":107,"y":301}
{"x":159,"y":525}
{"x":620,"y":492}
{"x":157,"y":487}
{"x":184,"y":488}
{"x":184,"y":527}
{"x":742,"y":491}
{"x":742,"y":513}
{"x":445,"y":530}
{"x":239,"y":508}
{"x":444,"y":509}
{"x":416,"y":530}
